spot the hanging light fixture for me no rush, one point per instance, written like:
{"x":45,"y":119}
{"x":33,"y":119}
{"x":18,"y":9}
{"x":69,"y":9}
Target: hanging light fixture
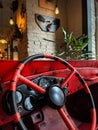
{"x":11,"y":21}
{"x":56,"y":8}
{"x":14,"y":6}
{"x":3,"y":41}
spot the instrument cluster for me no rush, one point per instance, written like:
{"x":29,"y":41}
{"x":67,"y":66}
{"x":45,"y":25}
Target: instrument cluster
{"x":27,"y":99}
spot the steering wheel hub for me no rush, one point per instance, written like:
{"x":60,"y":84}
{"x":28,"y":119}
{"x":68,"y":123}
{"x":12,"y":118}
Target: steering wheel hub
{"x":56,"y":96}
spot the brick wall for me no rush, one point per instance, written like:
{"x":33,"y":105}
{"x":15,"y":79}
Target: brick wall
{"x":37,"y":41}
{"x":45,"y":42}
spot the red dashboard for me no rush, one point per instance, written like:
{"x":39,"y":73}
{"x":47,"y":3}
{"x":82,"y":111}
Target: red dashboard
{"x":51,"y":93}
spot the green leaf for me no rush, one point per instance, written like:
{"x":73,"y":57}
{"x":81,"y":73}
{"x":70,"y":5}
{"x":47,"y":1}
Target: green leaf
{"x":74,"y":48}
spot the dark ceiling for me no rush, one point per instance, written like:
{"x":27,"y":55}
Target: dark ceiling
{"x":5,"y":14}
{"x":7,"y":10}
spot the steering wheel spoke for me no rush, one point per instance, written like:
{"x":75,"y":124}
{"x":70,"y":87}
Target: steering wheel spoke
{"x":31,"y":84}
{"x":66,"y":119}
{"x":68,"y":79}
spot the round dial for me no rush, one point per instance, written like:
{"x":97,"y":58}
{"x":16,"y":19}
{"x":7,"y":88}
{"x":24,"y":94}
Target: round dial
{"x":27,"y":104}
{"x":44,"y":83}
{"x":18,"y":97}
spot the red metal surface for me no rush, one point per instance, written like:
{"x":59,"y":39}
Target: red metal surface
{"x":84,"y":67}
{"x":88,"y":69}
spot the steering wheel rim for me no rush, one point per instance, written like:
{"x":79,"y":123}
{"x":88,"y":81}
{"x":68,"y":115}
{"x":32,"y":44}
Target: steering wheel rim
{"x":16,"y":77}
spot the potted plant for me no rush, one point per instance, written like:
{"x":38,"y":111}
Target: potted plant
{"x":74,"y":48}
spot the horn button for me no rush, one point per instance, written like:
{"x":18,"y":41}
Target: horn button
{"x":56,"y":96}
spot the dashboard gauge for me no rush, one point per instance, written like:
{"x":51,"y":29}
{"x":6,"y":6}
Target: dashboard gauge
{"x":18,"y":97}
{"x":44,"y":83}
{"x":34,"y":93}
{"x":27,"y":104}
{"x":20,"y":108}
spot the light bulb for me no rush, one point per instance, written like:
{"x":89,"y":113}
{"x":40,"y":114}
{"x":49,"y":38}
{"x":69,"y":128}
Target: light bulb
{"x":11,"y":21}
{"x":3,"y":41}
{"x":56,"y":10}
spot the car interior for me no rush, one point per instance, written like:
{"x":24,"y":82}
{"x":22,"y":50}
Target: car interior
{"x":46,"y":92}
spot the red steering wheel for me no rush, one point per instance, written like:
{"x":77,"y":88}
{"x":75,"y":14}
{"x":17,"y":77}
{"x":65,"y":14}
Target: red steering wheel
{"x":58,"y":91}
